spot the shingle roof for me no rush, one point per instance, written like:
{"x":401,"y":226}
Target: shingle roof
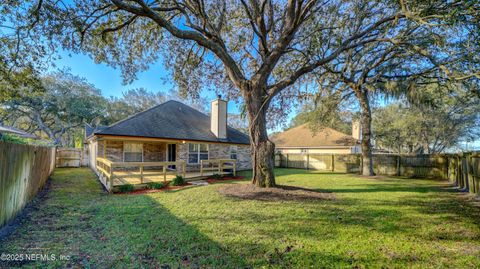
{"x":89,"y":130}
{"x":171,"y":120}
{"x":12,"y":130}
{"x":302,"y":136}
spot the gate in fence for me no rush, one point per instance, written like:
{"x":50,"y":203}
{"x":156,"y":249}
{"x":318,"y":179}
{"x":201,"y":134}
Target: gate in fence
{"x":69,"y":157}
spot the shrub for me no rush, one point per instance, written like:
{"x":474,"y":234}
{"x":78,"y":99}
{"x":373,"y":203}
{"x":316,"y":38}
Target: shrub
{"x":126,"y":188}
{"x":154,"y":185}
{"x":216,"y":176}
{"x":178,"y":181}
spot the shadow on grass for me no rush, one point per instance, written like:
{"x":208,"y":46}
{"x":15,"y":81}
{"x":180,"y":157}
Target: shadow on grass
{"x":108,"y":231}
{"x":388,"y":188}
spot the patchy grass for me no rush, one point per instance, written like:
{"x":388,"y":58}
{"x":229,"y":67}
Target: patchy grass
{"x":381,"y":222}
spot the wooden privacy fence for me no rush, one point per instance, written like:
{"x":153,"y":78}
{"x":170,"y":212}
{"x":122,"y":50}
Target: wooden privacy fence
{"x":463,"y":169}
{"x":69,"y":157}
{"x":24,"y":169}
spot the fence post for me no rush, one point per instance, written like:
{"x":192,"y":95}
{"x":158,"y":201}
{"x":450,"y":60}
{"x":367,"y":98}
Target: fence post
{"x":361,"y":163}
{"x":287,"y":161}
{"x":459,"y":172}
{"x":471,"y":185}
{"x":164,"y":173}
{"x":333,"y":162}
{"x":308,"y":161}
{"x":141,"y":174}
{"x":399,"y":159}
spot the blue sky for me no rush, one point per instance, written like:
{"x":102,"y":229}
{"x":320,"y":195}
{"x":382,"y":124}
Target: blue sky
{"x":109,"y":79}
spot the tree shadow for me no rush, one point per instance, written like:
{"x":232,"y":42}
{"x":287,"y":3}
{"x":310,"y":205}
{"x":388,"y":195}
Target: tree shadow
{"x":108,"y":231}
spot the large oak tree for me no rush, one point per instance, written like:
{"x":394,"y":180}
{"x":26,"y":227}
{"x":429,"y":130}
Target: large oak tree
{"x":258,"y":51}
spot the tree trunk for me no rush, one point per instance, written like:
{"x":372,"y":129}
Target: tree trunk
{"x":263,"y":161}
{"x":366,"y":121}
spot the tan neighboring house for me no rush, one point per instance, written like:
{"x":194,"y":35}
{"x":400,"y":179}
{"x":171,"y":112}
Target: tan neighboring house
{"x":170,"y":132}
{"x":301,"y":139}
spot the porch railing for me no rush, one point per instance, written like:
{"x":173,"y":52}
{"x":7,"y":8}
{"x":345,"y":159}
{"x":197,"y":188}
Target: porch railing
{"x":218,"y":165}
{"x":106,"y":170}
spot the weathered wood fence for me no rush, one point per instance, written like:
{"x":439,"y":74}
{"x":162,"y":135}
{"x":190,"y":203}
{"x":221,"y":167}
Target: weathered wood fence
{"x":69,"y":157}
{"x":24,"y":169}
{"x":463,"y":169}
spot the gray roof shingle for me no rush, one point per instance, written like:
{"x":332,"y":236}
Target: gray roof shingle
{"x":172,"y":120}
{"x":12,"y":130}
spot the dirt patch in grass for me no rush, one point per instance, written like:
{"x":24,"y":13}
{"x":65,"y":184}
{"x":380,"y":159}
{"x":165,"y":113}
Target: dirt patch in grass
{"x":165,"y":188}
{"x":279,"y":193}
{"x":212,"y":180}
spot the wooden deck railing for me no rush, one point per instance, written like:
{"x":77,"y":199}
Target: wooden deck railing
{"x":106,"y":169}
{"x":218,"y":165}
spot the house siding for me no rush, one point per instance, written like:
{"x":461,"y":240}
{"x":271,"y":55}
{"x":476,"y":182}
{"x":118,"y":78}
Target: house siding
{"x":114,"y":150}
{"x":218,"y":151}
{"x":154,"y":152}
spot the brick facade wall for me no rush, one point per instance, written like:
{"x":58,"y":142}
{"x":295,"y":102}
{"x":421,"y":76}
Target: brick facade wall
{"x":154,"y":152}
{"x":218,"y":151}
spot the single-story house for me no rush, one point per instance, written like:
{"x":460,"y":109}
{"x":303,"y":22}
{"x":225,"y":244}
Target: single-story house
{"x":302,"y":139}
{"x":170,"y":132}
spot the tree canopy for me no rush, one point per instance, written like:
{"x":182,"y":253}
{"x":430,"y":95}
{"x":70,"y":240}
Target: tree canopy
{"x":269,"y":53}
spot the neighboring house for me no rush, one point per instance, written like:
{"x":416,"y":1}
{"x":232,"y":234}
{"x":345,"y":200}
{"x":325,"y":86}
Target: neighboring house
{"x":301,"y":139}
{"x":10,"y":130}
{"x":171,"y":131}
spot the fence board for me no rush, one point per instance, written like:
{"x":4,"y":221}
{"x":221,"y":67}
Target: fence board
{"x":462,"y":169}
{"x":24,"y":170}
{"x":69,"y":157}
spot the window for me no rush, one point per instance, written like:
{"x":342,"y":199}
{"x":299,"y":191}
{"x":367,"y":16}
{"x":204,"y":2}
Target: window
{"x":197,"y":152}
{"x":132,"y":152}
{"x":233,"y":152}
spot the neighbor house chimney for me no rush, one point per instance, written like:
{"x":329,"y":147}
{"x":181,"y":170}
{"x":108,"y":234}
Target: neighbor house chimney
{"x":218,"y":118}
{"x":356,"y":130}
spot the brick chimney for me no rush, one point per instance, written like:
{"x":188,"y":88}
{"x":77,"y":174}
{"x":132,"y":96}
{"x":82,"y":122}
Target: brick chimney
{"x":356,"y":129}
{"x":218,"y":118}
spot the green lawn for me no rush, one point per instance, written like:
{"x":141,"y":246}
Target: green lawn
{"x":390,"y":222}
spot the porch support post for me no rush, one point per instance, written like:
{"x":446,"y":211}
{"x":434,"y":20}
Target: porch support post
{"x":105,"y":149}
{"x":141,"y":174}
{"x":184,"y":170}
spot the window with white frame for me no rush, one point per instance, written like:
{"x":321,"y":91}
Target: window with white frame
{"x":197,"y":152}
{"x":132,"y":152}
{"x":233,"y":152}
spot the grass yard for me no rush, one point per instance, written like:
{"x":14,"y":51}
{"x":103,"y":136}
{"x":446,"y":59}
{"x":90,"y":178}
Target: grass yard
{"x":371,"y":223}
